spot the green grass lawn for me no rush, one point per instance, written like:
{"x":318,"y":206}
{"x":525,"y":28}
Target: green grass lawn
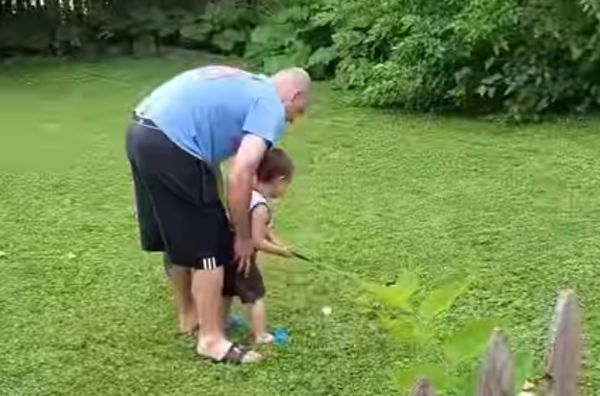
{"x":84,"y":312}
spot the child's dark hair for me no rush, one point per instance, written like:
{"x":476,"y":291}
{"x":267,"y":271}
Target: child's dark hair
{"x":275,"y":164}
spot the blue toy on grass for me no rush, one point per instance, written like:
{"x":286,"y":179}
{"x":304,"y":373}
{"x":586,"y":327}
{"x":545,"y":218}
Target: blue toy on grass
{"x":236,"y":322}
{"x":280,"y":336}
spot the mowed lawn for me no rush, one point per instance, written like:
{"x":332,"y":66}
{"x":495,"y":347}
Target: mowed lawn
{"x":84,"y":312}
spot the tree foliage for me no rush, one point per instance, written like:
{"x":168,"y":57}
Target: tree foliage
{"x":521,"y":57}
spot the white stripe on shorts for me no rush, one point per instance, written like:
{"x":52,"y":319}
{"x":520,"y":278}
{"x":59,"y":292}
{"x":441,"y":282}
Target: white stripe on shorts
{"x":209,"y":263}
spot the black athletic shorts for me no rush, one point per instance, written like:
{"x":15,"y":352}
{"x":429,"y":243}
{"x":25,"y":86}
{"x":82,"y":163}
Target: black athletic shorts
{"x":178,"y":207}
{"x":249,"y":289}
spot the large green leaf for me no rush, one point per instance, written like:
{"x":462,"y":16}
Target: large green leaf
{"x":322,"y":56}
{"x":397,"y":295}
{"x":198,"y":31}
{"x":293,"y":14}
{"x":436,"y":373}
{"x":274,"y":63}
{"x":469,"y":341}
{"x":523,"y":369}
{"x":442,"y":298}
{"x":227,"y":39}
{"x":269,"y":41}
{"x":403,"y":330}
{"x":271,"y":36}
{"x":465,"y":379}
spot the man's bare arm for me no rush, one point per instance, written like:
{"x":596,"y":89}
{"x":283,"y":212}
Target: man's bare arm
{"x":261,"y":233}
{"x":244,"y":166}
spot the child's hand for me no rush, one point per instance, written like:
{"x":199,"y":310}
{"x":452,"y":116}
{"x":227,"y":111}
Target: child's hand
{"x":284,"y":251}
{"x":287,"y":252}
{"x":269,"y":247}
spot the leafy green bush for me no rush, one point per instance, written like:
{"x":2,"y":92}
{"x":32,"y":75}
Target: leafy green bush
{"x":483,"y":55}
{"x":297,"y":33}
{"x":524,"y":58}
{"x":138,"y":27}
{"x":221,"y":27}
{"x":28,"y":31}
{"x":450,"y":359}
{"x":153,"y":25}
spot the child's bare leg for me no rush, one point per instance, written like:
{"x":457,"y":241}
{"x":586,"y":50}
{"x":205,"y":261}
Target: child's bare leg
{"x":227,"y":301}
{"x":258,"y":315}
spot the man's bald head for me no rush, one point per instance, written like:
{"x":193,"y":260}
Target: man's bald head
{"x":293,"y":86}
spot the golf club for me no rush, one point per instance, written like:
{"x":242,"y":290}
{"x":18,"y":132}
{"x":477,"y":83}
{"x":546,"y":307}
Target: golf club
{"x":301,"y":257}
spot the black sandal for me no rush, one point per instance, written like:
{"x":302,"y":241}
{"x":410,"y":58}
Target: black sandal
{"x":236,"y":355}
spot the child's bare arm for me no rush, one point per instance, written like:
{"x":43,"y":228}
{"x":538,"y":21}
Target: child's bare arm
{"x":273,"y":238}
{"x":261,"y":234}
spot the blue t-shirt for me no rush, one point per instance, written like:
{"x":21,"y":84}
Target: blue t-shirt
{"x":206,"y":111}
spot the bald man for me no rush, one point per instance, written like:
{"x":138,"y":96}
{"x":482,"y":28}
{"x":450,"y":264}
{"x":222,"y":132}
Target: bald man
{"x":179,"y":135}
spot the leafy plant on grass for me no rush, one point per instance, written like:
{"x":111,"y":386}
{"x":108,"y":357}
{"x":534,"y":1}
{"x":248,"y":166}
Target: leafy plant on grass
{"x":450,"y":357}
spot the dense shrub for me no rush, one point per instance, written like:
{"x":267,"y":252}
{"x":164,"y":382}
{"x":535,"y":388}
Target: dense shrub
{"x":522,"y":57}
{"x":134,"y":26}
{"x":30,"y":31}
{"x":221,"y":27}
{"x":294,"y":33}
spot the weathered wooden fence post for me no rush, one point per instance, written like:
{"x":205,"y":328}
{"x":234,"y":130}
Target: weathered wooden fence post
{"x":497,"y":373}
{"x":562,"y":364}
{"x":423,"y":387}
{"x":563,"y":359}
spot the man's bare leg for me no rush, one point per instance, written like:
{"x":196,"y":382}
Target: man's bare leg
{"x":180,"y":279}
{"x":207,"y":287}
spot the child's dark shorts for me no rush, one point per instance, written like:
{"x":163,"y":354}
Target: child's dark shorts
{"x":249,"y":289}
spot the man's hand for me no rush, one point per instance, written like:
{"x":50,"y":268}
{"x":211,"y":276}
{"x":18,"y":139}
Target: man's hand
{"x":243,"y":170}
{"x":244,"y":248}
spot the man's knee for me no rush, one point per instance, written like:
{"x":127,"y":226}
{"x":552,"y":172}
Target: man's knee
{"x":175,"y":270}
{"x":210,"y":279}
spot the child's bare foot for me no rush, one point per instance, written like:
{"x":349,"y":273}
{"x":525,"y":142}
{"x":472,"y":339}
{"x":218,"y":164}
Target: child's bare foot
{"x":265,"y":338}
